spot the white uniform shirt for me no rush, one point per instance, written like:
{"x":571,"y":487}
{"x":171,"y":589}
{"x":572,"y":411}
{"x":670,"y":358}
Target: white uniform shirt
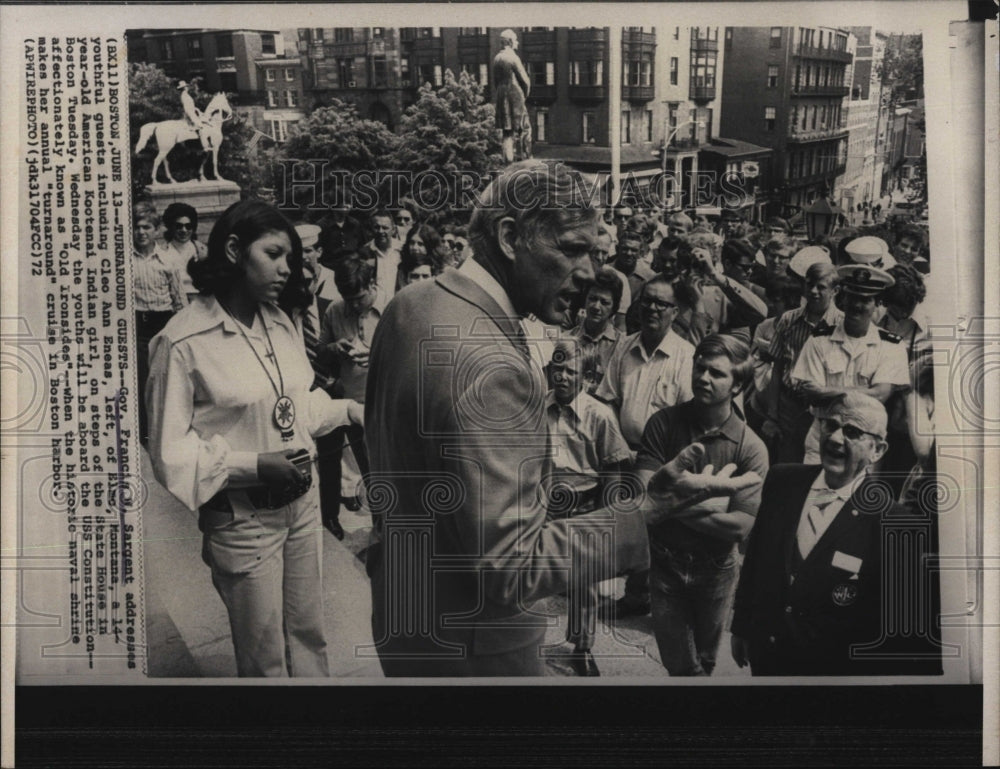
{"x":211,"y":405}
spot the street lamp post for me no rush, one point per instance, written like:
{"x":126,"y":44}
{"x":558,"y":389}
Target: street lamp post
{"x":670,"y":137}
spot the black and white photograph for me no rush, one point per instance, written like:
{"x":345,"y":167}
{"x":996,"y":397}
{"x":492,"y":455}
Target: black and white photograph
{"x":556,"y":356}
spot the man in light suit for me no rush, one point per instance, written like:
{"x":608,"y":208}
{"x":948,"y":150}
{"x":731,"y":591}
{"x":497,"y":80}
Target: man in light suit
{"x":835,"y":579}
{"x":455,"y":419}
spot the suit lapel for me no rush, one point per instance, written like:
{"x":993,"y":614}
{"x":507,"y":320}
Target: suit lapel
{"x":461,"y":286}
{"x":849,"y":517}
{"x":797,"y":492}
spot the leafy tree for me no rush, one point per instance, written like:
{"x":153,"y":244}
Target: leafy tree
{"x":153,"y":97}
{"x":339,"y":144}
{"x":451,"y":131}
{"x":903,"y":67}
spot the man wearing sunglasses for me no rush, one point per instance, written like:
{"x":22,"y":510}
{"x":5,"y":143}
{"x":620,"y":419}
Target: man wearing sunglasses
{"x":817,"y":594}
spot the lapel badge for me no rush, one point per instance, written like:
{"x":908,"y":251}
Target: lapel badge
{"x":845,"y":594}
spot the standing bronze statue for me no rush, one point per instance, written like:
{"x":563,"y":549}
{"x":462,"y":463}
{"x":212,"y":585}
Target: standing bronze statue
{"x":512,"y":87}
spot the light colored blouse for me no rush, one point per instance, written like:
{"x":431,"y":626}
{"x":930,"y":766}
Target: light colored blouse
{"x":211,"y":403}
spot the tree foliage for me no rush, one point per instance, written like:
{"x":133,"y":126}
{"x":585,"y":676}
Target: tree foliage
{"x":903,"y":67}
{"x":153,"y":97}
{"x":337,"y":141}
{"x":449,"y":130}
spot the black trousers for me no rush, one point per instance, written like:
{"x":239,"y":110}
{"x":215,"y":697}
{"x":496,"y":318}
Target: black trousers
{"x":330,"y":450}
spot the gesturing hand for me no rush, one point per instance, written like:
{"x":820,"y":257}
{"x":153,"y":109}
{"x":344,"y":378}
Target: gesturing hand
{"x":675,"y":486}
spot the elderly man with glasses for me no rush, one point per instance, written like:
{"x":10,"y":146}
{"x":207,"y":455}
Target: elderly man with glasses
{"x":817,"y":592}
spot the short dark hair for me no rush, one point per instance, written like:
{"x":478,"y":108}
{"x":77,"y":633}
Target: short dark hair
{"x":735,"y":249}
{"x":912,"y":231}
{"x":607,"y":279}
{"x":353,"y":275}
{"x":736,"y":350}
{"x":175,"y":211}
{"x":247,"y":220}
{"x":908,"y":290}
{"x":784,"y":290}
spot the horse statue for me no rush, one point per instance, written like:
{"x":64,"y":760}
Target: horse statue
{"x":170,"y":133}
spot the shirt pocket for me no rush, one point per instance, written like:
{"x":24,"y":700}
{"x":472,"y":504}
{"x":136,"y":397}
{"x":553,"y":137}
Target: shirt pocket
{"x":664,"y":392}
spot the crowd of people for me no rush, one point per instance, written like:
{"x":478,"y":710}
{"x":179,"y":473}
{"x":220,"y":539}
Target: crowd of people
{"x":725,"y":389}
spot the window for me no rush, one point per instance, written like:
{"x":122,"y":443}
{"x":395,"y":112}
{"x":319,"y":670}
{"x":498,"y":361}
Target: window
{"x":541,"y":72}
{"x":194,"y":47}
{"x":588,"y":128}
{"x":437,"y":75}
{"x":426,"y":74}
{"x":224,"y":45}
{"x":541,"y":125}
{"x":772,"y":76}
{"x":279,"y":130}
{"x":709,"y":33}
{"x":770,"y":118}
{"x":404,"y":70}
{"x":822,"y":117}
{"x":798,"y":76}
{"x":291,"y":99}
{"x":317,"y":34}
{"x":378,"y":32}
{"x":637,"y":72}
{"x":703,"y":69}
{"x":484,"y":73}
{"x":673,"y":70}
{"x":813,"y":126}
{"x":343,"y":34}
{"x":269,"y":75}
{"x":380,"y":72}
{"x":272,"y":98}
{"x":677,"y":33}
{"x":267,"y":44}
{"x":289,"y":75}
{"x":345,"y":72}
{"x":168,"y":50}
{"x":729,"y":38}
{"x":626,"y":127}
{"x":647,"y":125}
{"x":587,"y":72}
{"x":776,"y":37}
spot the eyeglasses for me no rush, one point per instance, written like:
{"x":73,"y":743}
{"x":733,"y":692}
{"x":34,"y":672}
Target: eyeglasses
{"x":656,"y":304}
{"x":851,"y":432}
{"x":458,"y":245}
{"x":183,"y":226}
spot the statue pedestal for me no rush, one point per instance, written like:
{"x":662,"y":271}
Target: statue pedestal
{"x":209,"y":198}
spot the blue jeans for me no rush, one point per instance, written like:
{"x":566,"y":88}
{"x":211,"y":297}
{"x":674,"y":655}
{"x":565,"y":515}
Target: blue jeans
{"x":691,"y":595}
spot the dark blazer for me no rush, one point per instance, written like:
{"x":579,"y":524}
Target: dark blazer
{"x":802,"y":617}
{"x":461,"y":548}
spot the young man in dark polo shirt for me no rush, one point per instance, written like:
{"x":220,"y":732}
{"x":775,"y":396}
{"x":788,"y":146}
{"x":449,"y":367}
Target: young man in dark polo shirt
{"x":693,"y":553}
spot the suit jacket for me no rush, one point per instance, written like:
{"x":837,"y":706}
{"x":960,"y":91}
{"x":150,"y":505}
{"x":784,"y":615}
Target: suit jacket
{"x":864,"y":584}
{"x":461,"y":549}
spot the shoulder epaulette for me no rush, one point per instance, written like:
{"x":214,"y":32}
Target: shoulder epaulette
{"x":888,"y":336}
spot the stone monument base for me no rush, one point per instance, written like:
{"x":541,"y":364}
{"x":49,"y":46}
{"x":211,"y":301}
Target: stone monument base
{"x":209,"y":198}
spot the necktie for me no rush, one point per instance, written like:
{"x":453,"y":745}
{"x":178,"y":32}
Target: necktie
{"x":311,"y":339}
{"x":812,"y":523}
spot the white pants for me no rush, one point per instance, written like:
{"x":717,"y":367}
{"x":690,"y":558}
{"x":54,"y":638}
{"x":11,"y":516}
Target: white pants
{"x":267,"y":567}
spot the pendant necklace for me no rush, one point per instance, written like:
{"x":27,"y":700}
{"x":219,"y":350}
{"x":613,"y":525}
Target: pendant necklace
{"x":283,"y":414}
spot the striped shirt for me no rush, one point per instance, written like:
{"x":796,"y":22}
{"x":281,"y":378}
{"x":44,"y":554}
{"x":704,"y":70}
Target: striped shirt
{"x":157,"y":284}
{"x":790,"y":334}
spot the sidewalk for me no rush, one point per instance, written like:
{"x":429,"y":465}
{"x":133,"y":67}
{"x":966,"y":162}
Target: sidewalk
{"x":187,"y":630}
